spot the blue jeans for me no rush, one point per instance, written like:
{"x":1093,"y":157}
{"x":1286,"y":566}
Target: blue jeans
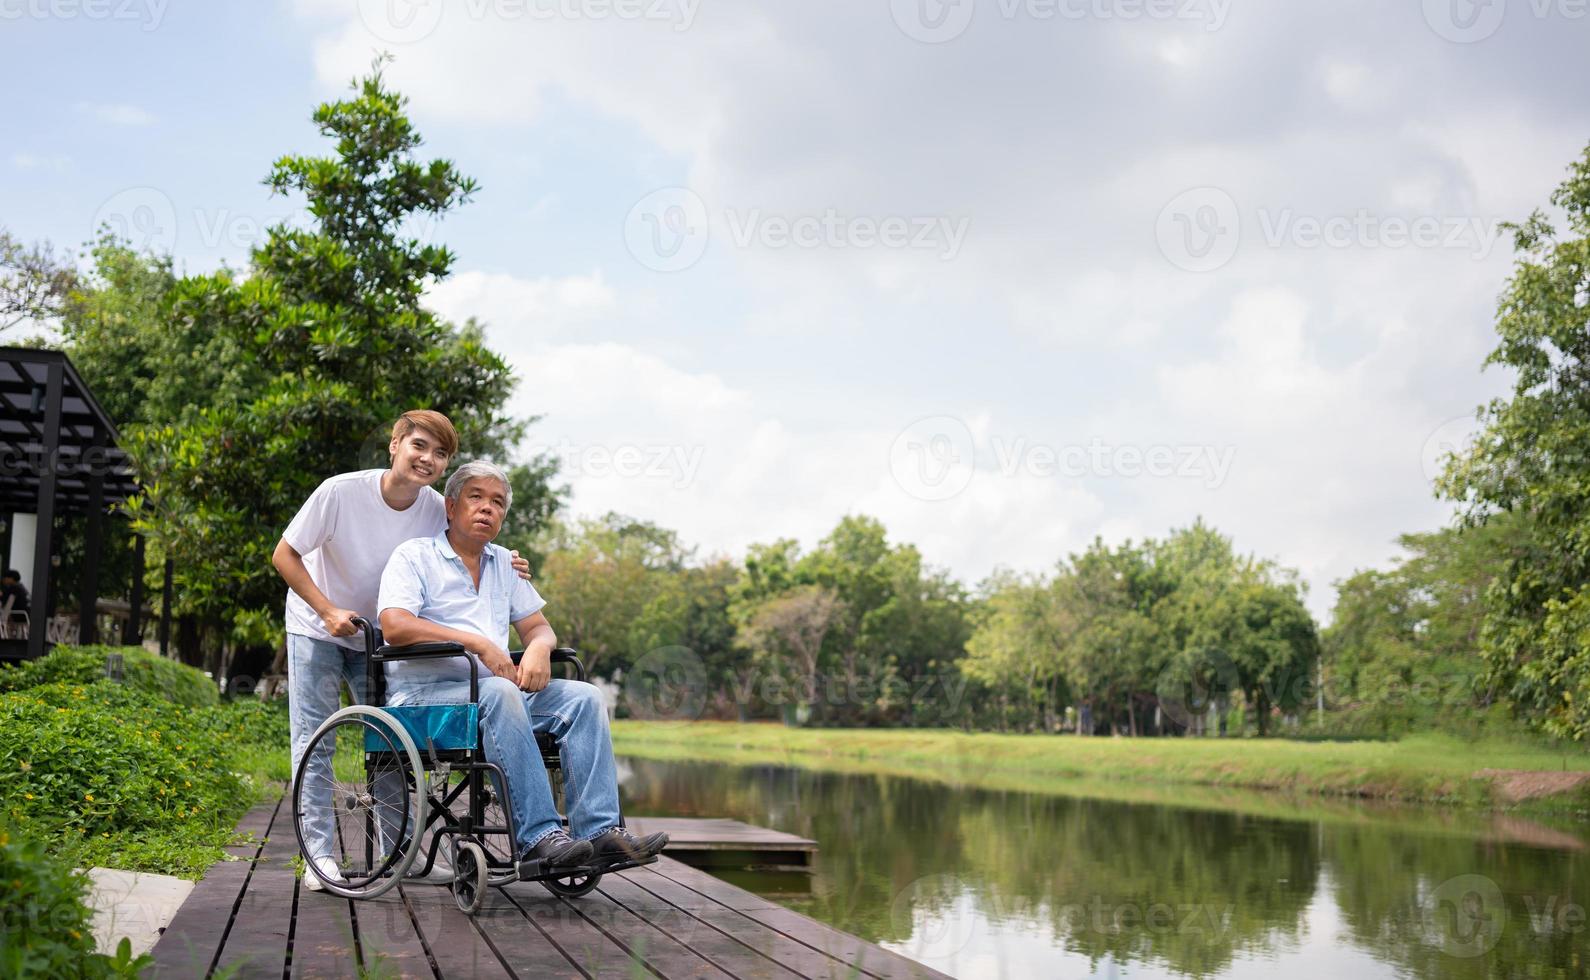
{"x":316,"y":671}
{"x":573,"y":713}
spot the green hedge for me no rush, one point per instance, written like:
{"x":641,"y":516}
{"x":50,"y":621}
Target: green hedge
{"x":141,"y":670}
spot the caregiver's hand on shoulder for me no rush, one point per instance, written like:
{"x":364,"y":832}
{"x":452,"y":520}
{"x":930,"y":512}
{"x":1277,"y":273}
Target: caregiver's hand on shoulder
{"x":521,"y":565}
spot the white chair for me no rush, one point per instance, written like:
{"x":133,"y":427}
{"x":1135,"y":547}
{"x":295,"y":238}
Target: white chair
{"x":13,"y":625}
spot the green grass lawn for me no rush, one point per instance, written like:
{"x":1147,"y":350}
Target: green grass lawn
{"x":1423,"y":768}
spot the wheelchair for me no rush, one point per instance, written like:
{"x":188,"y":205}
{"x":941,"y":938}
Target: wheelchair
{"x":396,"y":776}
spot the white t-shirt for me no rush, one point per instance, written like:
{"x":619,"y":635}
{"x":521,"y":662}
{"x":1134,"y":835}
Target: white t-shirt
{"x":346,"y":532}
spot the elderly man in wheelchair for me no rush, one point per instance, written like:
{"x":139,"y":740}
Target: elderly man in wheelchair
{"x":458,"y":705}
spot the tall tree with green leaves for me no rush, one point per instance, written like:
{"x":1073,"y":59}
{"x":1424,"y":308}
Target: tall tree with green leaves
{"x":273,"y":380}
{"x":1532,"y":460}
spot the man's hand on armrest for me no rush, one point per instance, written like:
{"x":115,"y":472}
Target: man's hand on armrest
{"x":535,"y":667}
{"x":402,"y":628}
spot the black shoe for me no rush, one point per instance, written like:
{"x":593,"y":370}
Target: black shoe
{"x":619,"y":845}
{"x":554,"y":852}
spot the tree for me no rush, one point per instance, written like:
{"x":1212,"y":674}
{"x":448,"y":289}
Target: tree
{"x":34,"y":282}
{"x":787,"y":631}
{"x":598,"y":577}
{"x":1532,"y":460}
{"x":270,"y":380}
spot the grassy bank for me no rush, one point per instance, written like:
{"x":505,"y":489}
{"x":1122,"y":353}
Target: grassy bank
{"x":1422,"y":768}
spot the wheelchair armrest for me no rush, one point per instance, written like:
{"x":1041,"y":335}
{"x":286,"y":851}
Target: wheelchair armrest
{"x":420,"y":651}
{"x":562,"y":655}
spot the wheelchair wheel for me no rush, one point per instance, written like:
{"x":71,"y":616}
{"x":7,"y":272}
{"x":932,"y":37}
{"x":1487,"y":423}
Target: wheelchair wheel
{"x":572,"y":886}
{"x":369,"y":798}
{"x":469,"y":877}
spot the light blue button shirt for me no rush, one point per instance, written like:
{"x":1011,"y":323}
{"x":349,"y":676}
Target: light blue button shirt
{"x":426,"y":577}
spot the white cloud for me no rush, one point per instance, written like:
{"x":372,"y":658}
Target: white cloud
{"x":518,"y":310}
{"x":118,"y":114}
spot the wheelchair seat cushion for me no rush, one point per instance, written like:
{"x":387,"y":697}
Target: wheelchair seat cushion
{"x":439,"y":726}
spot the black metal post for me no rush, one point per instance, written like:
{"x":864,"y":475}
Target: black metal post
{"x":165,"y":611}
{"x":39,"y":618}
{"x":133,"y":633}
{"x":93,"y":540}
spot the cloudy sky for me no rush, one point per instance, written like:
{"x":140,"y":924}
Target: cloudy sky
{"x":1006,"y":274}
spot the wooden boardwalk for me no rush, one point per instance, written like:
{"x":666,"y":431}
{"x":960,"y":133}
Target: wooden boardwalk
{"x":252,"y":918}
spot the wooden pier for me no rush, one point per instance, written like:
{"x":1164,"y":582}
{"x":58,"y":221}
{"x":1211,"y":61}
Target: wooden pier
{"x":722,"y":844}
{"x":252,"y":918}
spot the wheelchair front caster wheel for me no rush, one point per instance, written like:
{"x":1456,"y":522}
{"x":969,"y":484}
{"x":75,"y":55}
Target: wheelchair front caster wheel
{"x":572,"y":885}
{"x":469,"y":877}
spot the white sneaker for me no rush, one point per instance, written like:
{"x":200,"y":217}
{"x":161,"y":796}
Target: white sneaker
{"x":328,"y":869}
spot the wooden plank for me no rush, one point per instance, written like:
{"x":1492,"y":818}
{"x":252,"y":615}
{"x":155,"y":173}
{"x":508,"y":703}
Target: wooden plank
{"x":454,"y":943}
{"x":590,"y":949}
{"x":667,"y":956}
{"x":382,"y":926}
{"x":256,"y":823}
{"x":705,"y":833}
{"x":797,"y":956}
{"x":714,"y":888}
{"x":192,"y":939}
{"x":387,"y":937}
{"x":262,"y":929}
{"x":734,"y":957}
{"x":520,"y":944}
{"x":256,"y":945}
{"x":323,"y":936}
{"x":874,"y":961}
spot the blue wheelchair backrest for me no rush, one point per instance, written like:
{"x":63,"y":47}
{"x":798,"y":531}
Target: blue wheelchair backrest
{"x":439,"y":726}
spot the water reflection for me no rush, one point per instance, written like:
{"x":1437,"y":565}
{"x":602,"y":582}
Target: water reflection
{"x":1009,"y":884}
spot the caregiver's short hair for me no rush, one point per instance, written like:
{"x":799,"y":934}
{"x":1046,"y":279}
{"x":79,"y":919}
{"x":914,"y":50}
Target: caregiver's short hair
{"x":478,"y":469}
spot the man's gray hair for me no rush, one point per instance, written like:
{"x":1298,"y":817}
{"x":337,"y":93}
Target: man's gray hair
{"x":478,"y":469}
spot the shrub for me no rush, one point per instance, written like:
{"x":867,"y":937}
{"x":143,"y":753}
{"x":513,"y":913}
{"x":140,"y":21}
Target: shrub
{"x":44,"y":927}
{"x":141,"y":671}
{"x":101,"y":758}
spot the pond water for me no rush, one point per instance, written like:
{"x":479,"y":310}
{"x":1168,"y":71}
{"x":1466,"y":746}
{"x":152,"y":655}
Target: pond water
{"x":982,"y":883}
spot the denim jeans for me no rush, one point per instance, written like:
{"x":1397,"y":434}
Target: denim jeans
{"x":316,"y":671}
{"x":572,"y":711}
